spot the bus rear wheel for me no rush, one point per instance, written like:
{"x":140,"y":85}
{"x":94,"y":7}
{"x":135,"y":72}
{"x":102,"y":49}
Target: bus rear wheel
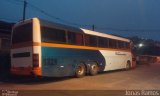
{"x":80,"y":70}
{"x":93,"y":69}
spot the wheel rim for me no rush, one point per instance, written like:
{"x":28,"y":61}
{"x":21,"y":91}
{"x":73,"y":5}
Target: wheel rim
{"x":80,"y":70}
{"x":94,"y":68}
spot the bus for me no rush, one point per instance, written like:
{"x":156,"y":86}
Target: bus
{"x":44,"y":48}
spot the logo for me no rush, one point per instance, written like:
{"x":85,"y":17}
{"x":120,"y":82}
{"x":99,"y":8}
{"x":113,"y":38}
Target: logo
{"x":9,"y":93}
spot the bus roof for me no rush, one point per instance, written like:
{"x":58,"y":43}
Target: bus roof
{"x":104,"y":35}
{"x":79,"y":30}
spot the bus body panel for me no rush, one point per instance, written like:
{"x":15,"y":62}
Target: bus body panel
{"x":23,"y":65}
{"x":21,"y":60}
{"x":58,"y":62}
{"x":115,"y":59}
{"x":37,"y":50}
{"x":63,"y":61}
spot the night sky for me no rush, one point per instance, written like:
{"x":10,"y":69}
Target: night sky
{"x":121,"y":17}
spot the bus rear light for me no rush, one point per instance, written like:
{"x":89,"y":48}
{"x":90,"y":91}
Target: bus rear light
{"x":35,"y":60}
{"x":133,"y":59}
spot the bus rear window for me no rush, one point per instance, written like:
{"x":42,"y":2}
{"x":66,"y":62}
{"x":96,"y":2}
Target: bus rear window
{"x":22,"y":33}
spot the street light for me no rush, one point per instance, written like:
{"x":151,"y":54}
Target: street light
{"x":140,"y":45}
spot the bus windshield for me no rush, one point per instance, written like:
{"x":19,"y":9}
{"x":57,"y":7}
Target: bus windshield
{"x":22,"y":33}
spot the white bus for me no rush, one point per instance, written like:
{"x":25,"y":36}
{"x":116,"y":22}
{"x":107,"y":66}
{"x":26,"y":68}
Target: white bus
{"x":44,"y":48}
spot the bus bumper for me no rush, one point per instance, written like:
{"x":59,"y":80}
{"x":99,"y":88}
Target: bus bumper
{"x":24,"y":71}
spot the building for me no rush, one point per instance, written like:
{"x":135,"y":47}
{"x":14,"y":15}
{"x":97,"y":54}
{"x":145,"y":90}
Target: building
{"x":5,"y":42}
{"x":5,"y":36}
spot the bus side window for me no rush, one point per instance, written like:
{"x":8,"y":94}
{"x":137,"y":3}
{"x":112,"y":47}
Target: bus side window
{"x":127,"y":45}
{"x":75,"y":38}
{"x":112,"y":43}
{"x":71,"y":37}
{"x":93,"y":41}
{"x":79,"y":39}
{"x":120,"y":44}
{"x":86,"y":40}
{"x":90,"y":40}
{"x":53,"y":35}
{"x":102,"y":42}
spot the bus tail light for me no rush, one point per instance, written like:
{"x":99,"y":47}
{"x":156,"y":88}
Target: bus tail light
{"x":133,"y":59}
{"x":35,"y":60}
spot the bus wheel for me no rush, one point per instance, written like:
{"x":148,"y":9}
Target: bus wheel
{"x":93,"y":69}
{"x":80,"y":70}
{"x":128,"y":66}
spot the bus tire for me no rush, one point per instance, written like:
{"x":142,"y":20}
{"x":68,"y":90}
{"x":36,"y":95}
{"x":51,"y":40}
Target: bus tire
{"x":80,"y":70}
{"x":93,"y":69}
{"x":128,"y":66}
